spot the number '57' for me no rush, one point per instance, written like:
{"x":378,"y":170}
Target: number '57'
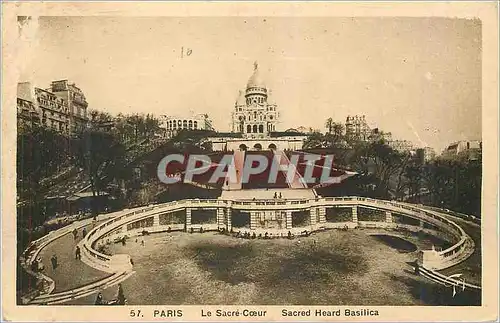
{"x":135,"y":313}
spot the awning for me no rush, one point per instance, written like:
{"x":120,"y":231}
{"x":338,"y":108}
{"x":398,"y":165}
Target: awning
{"x":78,"y":196}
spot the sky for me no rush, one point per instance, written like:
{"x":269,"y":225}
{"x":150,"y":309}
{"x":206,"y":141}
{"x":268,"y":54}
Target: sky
{"x":419,"y":78}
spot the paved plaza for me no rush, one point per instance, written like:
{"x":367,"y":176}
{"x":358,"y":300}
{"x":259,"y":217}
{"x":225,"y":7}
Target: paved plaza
{"x":261,"y":194}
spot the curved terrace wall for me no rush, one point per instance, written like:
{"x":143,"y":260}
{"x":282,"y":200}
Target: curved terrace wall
{"x":121,"y":267}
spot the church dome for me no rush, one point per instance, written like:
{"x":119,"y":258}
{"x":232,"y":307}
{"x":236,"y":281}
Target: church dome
{"x":256,"y":80}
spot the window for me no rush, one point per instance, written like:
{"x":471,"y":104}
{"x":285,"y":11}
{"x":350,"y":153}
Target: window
{"x":196,"y":124}
{"x":255,"y":128}
{"x":261,"y":128}
{"x":249,"y":128}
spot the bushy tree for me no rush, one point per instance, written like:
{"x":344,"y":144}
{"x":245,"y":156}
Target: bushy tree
{"x":101,"y":156}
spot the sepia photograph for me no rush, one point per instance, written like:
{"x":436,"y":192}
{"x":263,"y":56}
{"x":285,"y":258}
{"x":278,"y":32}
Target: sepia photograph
{"x":327,"y":165}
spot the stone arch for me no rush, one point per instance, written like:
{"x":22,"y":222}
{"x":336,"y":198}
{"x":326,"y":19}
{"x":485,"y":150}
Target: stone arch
{"x":243,"y":147}
{"x":257,"y":146}
{"x":272,"y":146}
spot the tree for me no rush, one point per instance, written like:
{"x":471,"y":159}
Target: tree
{"x":41,"y":152}
{"x":101,"y":156}
{"x":314,"y":140}
{"x":380,"y":161}
{"x":455,"y":183}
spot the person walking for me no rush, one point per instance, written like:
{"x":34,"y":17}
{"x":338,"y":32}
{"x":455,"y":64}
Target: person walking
{"x":53,"y":260}
{"x":121,"y":300}
{"x":84,"y":232}
{"x":75,"y":234}
{"x":78,"y":255}
{"x":99,"y":300}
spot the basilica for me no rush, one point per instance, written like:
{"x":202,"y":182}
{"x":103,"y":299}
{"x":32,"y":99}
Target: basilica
{"x":254,"y":121}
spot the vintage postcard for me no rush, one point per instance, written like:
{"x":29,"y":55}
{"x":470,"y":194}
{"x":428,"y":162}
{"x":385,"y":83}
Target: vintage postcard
{"x":249,"y":161}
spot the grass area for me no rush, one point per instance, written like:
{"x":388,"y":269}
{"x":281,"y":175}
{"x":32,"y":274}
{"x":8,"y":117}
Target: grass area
{"x":329,"y":268}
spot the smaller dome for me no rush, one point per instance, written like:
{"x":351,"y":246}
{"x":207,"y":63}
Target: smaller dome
{"x":256,"y":80}
{"x":241,"y":99}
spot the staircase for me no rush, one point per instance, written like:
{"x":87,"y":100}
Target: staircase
{"x":284,"y":163}
{"x":238,"y":159}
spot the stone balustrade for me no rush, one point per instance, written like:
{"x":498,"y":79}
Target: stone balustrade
{"x":117,"y":226}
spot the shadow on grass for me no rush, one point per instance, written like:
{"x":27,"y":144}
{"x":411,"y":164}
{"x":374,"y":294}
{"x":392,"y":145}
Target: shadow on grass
{"x":397,"y":243}
{"x":222,"y":261}
{"x":435,"y":294}
{"x":318,"y":266}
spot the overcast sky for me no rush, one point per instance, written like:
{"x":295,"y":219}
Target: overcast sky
{"x":419,"y":78}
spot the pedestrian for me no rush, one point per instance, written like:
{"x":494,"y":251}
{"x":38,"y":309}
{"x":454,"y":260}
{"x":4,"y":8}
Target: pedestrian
{"x":84,"y":232}
{"x":78,"y":255}
{"x":75,"y":234}
{"x":40,"y":264}
{"x":99,"y":300}
{"x":120,"y":296}
{"x":275,"y":195}
{"x":142,"y":243}
{"x":280,"y":195}
{"x":53,"y":260}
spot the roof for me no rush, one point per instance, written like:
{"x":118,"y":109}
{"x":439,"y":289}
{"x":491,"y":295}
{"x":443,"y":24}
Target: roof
{"x":78,"y":196}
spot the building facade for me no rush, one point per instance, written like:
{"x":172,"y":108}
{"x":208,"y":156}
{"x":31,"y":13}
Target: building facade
{"x":173,"y":124}
{"x":62,"y":108}
{"x":255,"y":114}
{"x":469,"y":148}
{"x":425,"y":155}
{"x":428,"y":153}
{"x":27,"y":115}
{"x":77,"y":104}
{"x":402,"y":146}
{"x":54,"y":111}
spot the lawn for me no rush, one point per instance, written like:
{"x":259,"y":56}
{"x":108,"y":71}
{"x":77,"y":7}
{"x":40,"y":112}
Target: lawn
{"x":329,"y":268}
